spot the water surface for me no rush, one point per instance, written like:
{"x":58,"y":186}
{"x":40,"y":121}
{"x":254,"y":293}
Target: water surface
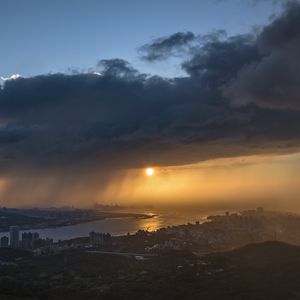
{"x":120,"y":226}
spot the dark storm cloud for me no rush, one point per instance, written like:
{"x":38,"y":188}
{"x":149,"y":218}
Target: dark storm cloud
{"x":127,"y":119}
{"x":218,"y":60}
{"x":162,"y":48}
{"x":117,"y":67}
{"x":12,"y":133}
{"x":273,"y":80}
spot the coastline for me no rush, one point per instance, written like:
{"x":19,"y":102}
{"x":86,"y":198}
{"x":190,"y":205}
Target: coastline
{"x":97,"y":217}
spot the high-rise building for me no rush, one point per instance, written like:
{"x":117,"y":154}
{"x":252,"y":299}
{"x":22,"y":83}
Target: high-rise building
{"x":14,"y":236}
{"x":30,"y":240}
{"x":4,"y":242}
{"x":99,"y":239}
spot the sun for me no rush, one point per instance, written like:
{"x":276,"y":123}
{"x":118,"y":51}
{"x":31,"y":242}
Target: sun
{"x":149,"y":171}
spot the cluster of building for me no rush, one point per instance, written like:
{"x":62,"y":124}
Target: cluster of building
{"x":28,"y":241}
{"x":218,"y":233}
{"x":31,"y":241}
{"x":229,"y":231}
{"x":100,"y":239}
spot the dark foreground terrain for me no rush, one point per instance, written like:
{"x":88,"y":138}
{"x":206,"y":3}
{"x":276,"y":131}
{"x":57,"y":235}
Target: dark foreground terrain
{"x":268,"y":270}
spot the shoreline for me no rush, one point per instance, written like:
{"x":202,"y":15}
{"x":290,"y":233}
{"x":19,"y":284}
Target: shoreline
{"x":114,"y":215}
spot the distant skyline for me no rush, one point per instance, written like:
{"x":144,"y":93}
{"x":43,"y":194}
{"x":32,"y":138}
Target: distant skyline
{"x":39,"y":37}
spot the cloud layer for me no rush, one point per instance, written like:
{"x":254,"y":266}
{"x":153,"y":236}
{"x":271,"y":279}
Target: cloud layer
{"x":273,"y":80}
{"x":240,"y":96}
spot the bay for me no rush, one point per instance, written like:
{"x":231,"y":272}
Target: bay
{"x":120,"y":226}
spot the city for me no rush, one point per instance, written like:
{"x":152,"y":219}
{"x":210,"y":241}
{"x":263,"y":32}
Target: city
{"x":100,"y":266}
{"x":218,"y":233}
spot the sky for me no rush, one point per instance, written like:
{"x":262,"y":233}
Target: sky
{"x":204,"y":92}
{"x":55,"y":36}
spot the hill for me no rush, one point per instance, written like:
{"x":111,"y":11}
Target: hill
{"x":264,"y":271}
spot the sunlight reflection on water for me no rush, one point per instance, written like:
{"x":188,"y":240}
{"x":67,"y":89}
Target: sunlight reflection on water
{"x":120,"y":226}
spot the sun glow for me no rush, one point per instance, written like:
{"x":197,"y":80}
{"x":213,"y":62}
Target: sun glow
{"x":149,"y":171}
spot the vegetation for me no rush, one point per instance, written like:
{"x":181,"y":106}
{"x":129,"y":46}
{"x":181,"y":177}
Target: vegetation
{"x":260,"y":271}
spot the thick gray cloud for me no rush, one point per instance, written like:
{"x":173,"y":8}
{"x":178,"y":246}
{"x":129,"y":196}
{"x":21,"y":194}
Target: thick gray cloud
{"x":125,"y":119}
{"x":117,"y":67}
{"x":273,"y":80}
{"x":162,"y":48}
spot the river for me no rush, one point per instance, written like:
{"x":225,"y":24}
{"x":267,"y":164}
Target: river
{"x":121,"y":226}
